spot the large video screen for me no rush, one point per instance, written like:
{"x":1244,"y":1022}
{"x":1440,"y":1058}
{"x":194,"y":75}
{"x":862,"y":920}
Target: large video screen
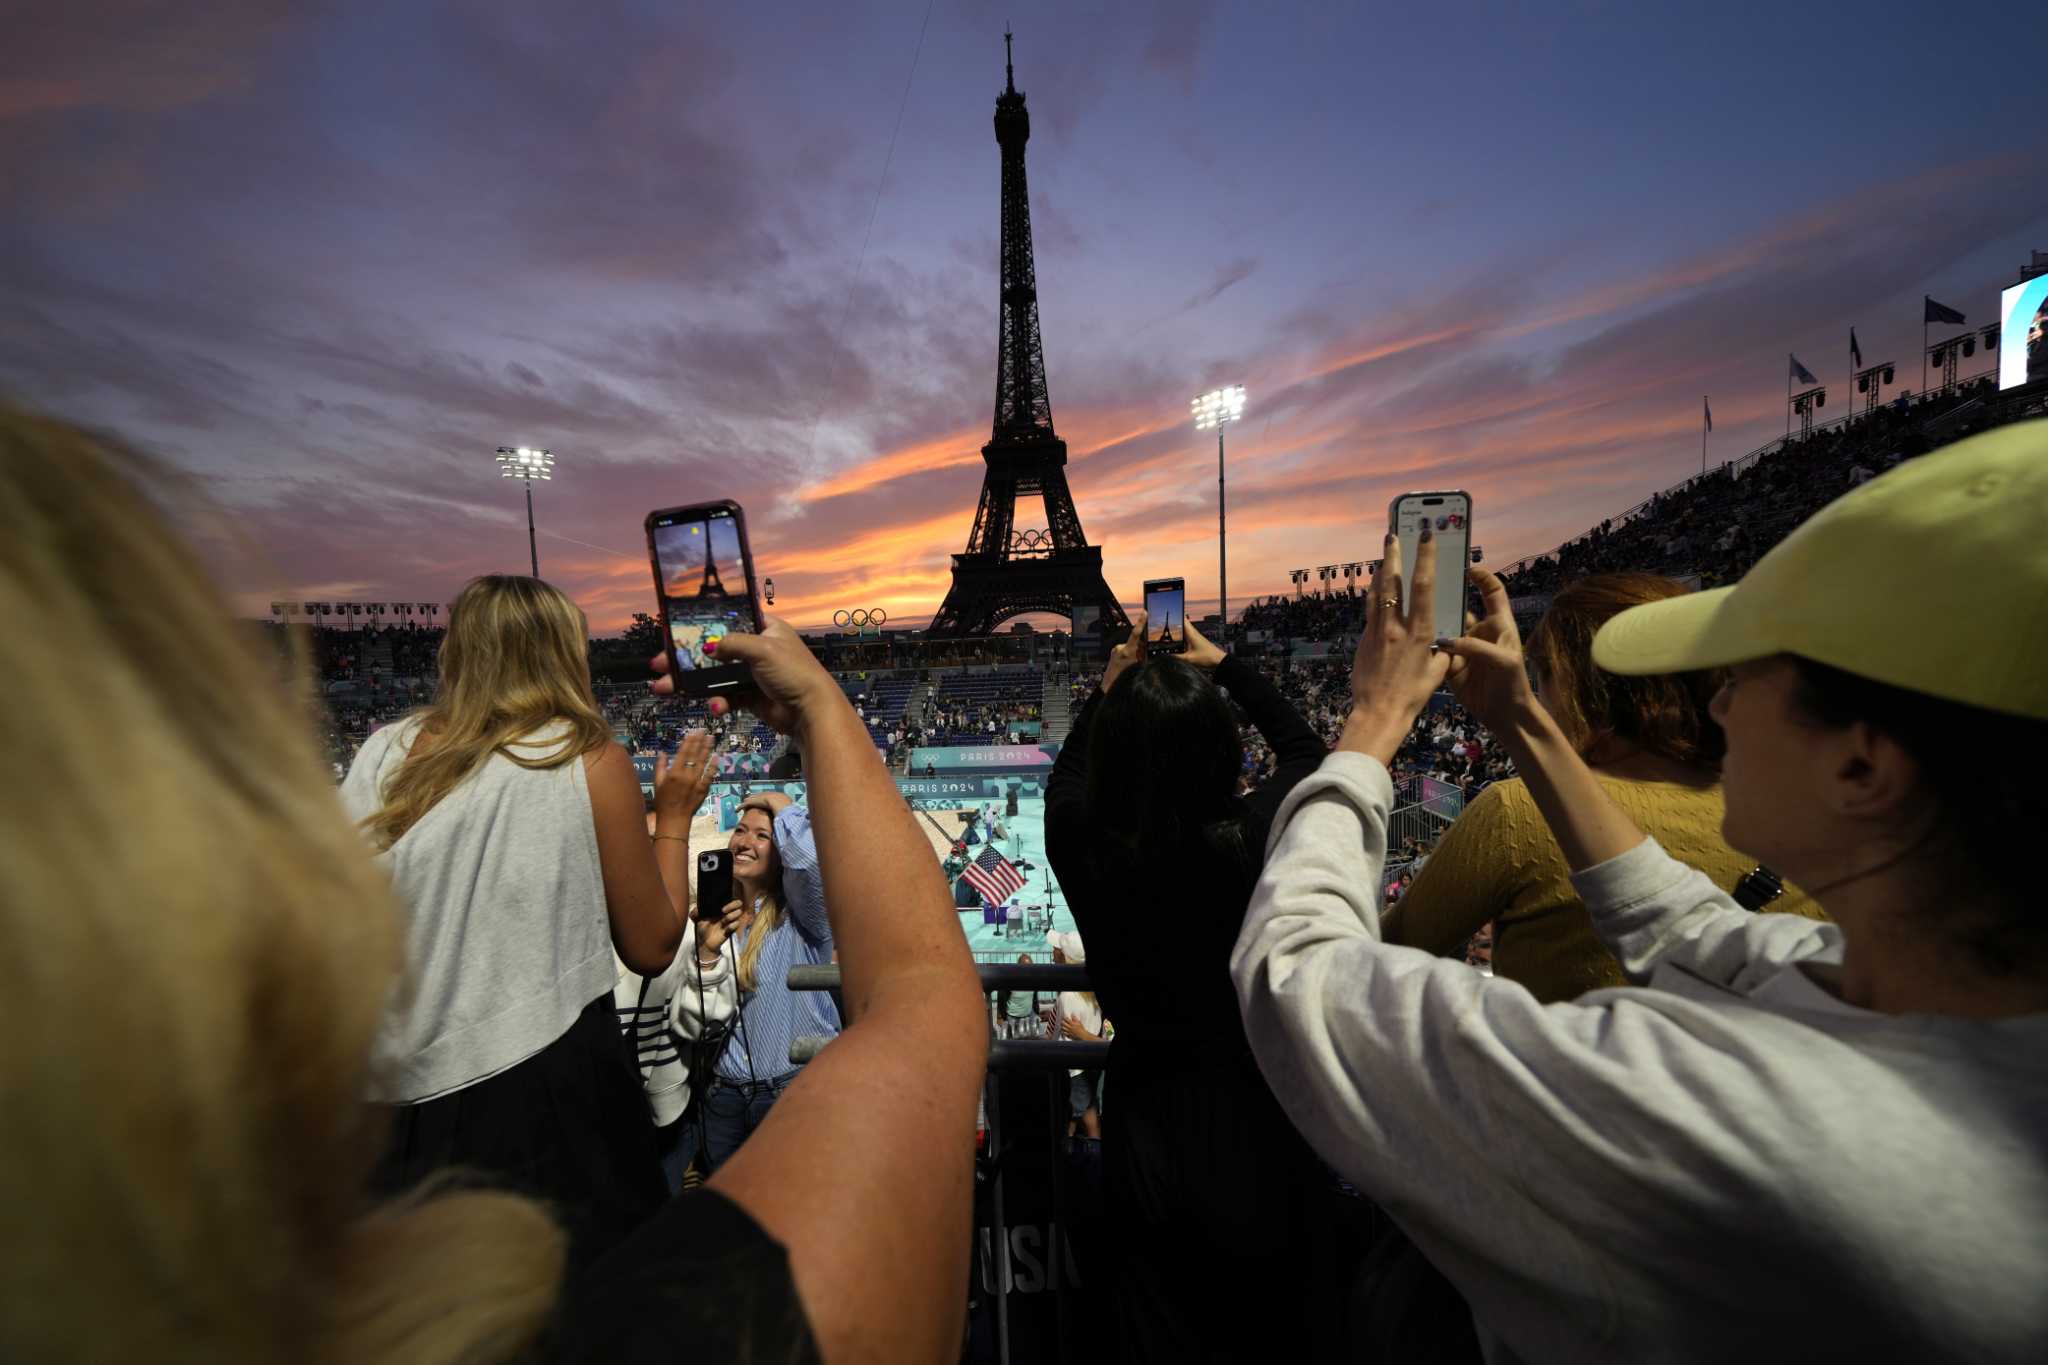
{"x":2022,"y":356}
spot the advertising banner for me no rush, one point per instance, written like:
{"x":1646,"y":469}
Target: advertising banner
{"x":972,"y":758}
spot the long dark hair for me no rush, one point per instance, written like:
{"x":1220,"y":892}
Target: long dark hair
{"x":1982,"y":770}
{"x":1163,"y":763}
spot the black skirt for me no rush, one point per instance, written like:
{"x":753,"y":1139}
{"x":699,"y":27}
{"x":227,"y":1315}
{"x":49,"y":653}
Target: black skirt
{"x":568,"y":1125}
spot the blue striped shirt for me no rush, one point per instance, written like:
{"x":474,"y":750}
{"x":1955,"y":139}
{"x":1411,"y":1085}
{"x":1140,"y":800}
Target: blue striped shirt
{"x":773,"y":1016}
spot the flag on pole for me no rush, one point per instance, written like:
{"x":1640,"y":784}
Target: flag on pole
{"x":1940,"y":312}
{"x":1855,"y":351}
{"x":1709,"y":408}
{"x":994,"y":876}
{"x":1800,"y":372}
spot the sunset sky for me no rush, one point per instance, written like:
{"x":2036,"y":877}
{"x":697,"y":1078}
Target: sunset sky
{"x":326,"y":258}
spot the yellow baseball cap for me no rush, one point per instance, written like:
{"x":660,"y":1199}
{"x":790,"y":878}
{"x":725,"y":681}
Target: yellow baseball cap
{"x":1932,"y":577}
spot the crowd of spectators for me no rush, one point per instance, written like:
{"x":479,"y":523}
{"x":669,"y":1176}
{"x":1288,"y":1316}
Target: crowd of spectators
{"x":986,"y":708}
{"x":504,"y":867}
{"x":1712,"y":528}
{"x":1286,"y":621}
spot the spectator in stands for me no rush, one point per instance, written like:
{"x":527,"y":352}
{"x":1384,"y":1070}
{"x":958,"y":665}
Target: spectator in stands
{"x":673,"y":1017}
{"x":780,"y":909}
{"x":503,"y":1056}
{"x":1019,"y":1007}
{"x":209,"y":1202}
{"x":1081,"y":1021}
{"x":1209,"y":1193}
{"x":1591,"y":1175}
{"x":1657,"y":754}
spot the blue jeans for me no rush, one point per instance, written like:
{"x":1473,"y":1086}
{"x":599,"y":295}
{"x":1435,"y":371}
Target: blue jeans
{"x":732,"y":1111}
{"x":679,"y":1147}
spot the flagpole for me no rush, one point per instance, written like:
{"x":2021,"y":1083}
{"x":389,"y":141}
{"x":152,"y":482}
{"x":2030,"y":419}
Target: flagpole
{"x":1923,"y":343}
{"x":1703,"y":435}
{"x":1788,"y":395}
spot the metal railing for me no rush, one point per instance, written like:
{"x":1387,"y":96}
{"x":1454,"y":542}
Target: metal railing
{"x":1022,"y":1060}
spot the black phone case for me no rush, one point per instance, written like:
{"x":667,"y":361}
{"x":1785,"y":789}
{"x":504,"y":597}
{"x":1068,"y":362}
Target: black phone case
{"x":714,"y":882}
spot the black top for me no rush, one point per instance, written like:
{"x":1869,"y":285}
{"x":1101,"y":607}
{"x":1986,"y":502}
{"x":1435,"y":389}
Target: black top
{"x":699,"y":1281}
{"x":1159,"y":936}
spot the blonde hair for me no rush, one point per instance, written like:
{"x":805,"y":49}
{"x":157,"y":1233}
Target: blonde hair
{"x":199,"y":949}
{"x":769,"y":914}
{"x":514,"y":661}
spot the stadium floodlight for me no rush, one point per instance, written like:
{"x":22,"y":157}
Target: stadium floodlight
{"x":1218,"y":408}
{"x":527,"y":463}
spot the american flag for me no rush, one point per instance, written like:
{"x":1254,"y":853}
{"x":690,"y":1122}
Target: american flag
{"x":994,"y":876}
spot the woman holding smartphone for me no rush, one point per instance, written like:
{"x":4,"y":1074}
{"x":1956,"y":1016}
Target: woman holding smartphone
{"x":512,"y":826}
{"x":1210,"y":1194}
{"x":779,"y":922}
{"x":211,"y":1202}
{"x":1786,"y":1139}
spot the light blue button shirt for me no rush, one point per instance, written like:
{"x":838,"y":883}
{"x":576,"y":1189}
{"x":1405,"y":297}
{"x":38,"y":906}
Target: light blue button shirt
{"x":773,"y":1016}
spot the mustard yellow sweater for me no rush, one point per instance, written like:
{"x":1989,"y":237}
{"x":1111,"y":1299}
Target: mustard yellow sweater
{"x":1498,"y":862}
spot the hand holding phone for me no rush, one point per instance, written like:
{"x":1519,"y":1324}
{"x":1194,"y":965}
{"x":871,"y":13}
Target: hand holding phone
{"x":786,"y":681}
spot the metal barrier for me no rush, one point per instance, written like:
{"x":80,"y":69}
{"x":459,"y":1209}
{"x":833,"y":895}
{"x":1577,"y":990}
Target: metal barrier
{"x":1020,"y":1067}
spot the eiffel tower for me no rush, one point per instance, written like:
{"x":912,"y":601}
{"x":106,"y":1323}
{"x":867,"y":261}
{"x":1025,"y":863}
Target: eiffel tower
{"x":711,"y":586}
{"x":1006,"y":572}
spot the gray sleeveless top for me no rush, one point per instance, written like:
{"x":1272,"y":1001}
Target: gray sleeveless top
{"x":506,"y":937}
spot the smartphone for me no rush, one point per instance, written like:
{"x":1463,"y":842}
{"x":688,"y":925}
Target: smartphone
{"x":714,"y":882}
{"x":1166,"y":615}
{"x":1449,"y":517}
{"x":704,"y":591}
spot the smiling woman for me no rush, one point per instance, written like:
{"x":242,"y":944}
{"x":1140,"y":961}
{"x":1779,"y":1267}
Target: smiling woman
{"x":782,"y":923}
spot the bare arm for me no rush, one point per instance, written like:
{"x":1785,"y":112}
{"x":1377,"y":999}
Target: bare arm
{"x":646,"y":882}
{"x":864,"y":1167}
{"x":1492,"y":681}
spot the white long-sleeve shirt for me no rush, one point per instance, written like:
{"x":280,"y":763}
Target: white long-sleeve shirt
{"x":665,"y":1016}
{"x":1731,"y":1164}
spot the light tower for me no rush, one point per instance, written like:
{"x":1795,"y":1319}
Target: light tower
{"x":527,"y":464}
{"x":1218,"y":408}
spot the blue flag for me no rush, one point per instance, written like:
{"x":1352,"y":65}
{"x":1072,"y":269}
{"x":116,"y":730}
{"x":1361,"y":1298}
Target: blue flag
{"x":1800,"y":372}
{"x":1855,"y":351}
{"x":1709,"y":408}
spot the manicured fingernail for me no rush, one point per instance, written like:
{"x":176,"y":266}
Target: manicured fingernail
{"x":1441,"y":641}
{"x":711,"y":646}
{"x":719,"y":706}
{"x":1425,"y":533}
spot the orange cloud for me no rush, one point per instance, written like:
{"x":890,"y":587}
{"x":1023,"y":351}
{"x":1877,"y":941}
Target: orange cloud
{"x":942,"y":452}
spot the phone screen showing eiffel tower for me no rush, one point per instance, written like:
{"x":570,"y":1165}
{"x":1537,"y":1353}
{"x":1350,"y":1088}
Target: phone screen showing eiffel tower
{"x":1166,"y":616}
{"x":704,"y":579}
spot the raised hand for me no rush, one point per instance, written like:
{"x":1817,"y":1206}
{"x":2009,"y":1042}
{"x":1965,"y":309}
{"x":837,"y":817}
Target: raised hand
{"x":788,"y":679}
{"x":1488,"y":672}
{"x":1398,"y":664}
{"x":1201,"y":652}
{"x":1131,"y":651}
{"x":680,"y":784}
